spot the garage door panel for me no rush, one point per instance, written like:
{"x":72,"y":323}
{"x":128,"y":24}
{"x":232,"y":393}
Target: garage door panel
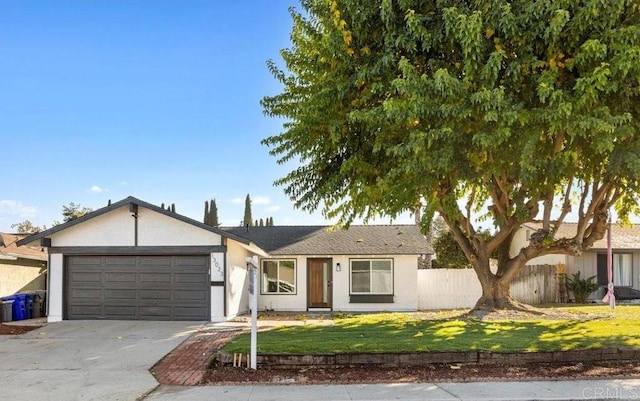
{"x":157,"y":261}
{"x":120,"y":276}
{"x":129,"y":295}
{"x":87,"y":261}
{"x":161,"y":312}
{"x":156,"y":278}
{"x":196,"y":261}
{"x":86,"y":294}
{"x":87,"y":277}
{"x":86,"y":311}
{"x":120,"y":260}
{"x":189,"y":313}
{"x":191,"y":278}
{"x":189,"y":296}
{"x":162,"y":295}
{"x":143,"y":287}
{"x":119,"y":312}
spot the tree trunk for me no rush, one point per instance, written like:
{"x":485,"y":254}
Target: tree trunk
{"x":495,"y":294}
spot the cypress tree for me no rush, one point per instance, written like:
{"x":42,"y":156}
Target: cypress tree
{"x":248,"y":219}
{"x":205,"y":219}
{"x":213,"y":213}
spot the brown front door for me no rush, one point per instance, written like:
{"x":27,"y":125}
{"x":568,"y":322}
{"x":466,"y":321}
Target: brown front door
{"x":319,"y":282}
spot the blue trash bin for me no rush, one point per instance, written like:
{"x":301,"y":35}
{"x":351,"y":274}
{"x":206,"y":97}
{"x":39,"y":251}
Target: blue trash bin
{"x":19,"y":307}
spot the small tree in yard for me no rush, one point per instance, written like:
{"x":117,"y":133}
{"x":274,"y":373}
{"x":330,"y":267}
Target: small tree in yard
{"x":503,"y":111}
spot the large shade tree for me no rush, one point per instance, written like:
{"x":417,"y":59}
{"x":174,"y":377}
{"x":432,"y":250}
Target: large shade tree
{"x":507,"y":111}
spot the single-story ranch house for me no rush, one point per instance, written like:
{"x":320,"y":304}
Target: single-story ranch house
{"x":134,"y":260}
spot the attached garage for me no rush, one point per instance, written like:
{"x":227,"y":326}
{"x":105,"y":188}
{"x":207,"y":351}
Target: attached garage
{"x":132,"y":260}
{"x":137,"y":287}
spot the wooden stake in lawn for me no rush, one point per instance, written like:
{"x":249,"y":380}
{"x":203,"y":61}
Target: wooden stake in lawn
{"x":609,"y":296}
{"x":252,"y":266}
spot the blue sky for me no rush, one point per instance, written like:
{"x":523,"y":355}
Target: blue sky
{"x":156,"y":99}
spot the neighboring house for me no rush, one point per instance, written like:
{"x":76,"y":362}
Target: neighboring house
{"x":21,"y":268}
{"x":134,"y":260}
{"x":625,"y":244}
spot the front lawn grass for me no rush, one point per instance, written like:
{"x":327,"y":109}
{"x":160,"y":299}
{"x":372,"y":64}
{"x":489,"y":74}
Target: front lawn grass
{"x":596,"y":327}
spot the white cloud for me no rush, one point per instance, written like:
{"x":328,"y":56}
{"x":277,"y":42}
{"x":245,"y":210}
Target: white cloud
{"x":260,"y":200}
{"x":273,"y":208}
{"x":96,"y":189}
{"x":14,"y":208}
{"x":124,"y":183}
{"x":237,"y":201}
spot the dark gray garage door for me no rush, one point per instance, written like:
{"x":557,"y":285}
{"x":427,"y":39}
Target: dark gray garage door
{"x":137,"y":287}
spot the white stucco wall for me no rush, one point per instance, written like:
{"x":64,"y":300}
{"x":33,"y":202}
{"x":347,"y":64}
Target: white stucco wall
{"x":405,"y":269}
{"x":21,"y":275}
{"x":237,"y":279}
{"x":115,"y":228}
{"x":156,"y":229}
{"x":54,"y":293}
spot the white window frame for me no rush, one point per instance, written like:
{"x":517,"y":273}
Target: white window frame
{"x":371,"y":260}
{"x":278,"y":292}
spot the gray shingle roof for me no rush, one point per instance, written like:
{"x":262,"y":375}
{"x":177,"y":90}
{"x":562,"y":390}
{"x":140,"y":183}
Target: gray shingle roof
{"x":320,"y":240}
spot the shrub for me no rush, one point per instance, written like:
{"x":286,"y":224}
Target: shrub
{"x":581,"y":288}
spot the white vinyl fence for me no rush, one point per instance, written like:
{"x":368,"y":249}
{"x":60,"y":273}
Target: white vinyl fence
{"x":460,"y":288}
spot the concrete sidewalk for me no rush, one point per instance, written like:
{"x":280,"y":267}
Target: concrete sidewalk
{"x":496,"y":391}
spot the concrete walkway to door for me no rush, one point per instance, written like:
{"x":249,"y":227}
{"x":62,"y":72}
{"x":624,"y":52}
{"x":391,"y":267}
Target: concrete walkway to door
{"x":87,"y":360}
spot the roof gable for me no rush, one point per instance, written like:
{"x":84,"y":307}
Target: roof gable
{"x":125,"y":202}
{"x":322,"y":240}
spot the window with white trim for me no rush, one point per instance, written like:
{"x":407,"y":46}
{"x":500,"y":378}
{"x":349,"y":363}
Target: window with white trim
{"x":278,"y":276}
{"x":371,"y":276}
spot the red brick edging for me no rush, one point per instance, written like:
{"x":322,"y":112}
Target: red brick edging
{"x":187,"y":363}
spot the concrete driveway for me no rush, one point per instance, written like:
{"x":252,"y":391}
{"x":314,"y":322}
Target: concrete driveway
{"x":87,"y":360}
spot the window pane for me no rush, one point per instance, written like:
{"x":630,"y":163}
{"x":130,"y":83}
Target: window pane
{"x":381,"y":282}
{"x":381,"y":265}
{"x":622,"y":275}
{"x":360,"y":265}
{"x":360,"y":281}
{"x":269,"y":276}
{"x":287,"y":281}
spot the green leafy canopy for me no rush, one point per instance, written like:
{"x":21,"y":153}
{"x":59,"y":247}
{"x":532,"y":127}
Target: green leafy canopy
{"x":523,"y":109}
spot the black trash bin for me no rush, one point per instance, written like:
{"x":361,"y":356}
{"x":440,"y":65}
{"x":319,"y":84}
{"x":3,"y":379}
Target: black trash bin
{"x":36,"y":309}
